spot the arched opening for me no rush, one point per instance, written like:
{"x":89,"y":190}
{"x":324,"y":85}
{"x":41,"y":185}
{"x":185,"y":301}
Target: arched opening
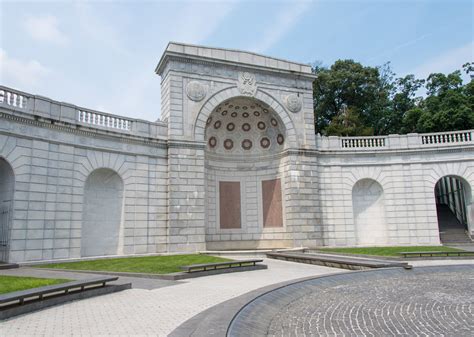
{"x":7,"y":182}
{"x":369,"y":213}
{"x":453,"y":201}
{"x":244,"y":201}
{"x":103,"y":199}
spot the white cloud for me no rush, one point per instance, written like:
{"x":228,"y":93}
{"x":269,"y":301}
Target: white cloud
{"x":44,"y":28}
{"x":23,"y":74}
{"x":447,"y":62}
{"x":282,"y":22}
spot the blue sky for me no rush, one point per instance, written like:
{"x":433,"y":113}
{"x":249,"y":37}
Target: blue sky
{"x":102,"y":54}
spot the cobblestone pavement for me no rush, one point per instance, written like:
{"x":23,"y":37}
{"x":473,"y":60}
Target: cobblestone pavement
{"x":153,"y":312}
{"x":428,"y":301}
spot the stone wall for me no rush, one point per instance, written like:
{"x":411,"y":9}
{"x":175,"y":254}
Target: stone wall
{"x":335,"y":191}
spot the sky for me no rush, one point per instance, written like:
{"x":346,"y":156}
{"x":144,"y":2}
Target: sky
{"x":102,"y":55}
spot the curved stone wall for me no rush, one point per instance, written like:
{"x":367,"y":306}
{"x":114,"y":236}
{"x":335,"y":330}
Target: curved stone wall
{"x":204,"y":178}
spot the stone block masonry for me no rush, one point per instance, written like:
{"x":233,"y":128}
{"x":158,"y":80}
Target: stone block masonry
{"x":227,"y":116}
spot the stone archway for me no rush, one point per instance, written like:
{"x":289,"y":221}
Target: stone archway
{"x":103,"y":199}
{"x":7,"y":182}
{"x":244,"y":196}
{"x":453,"y":206}
{"x":368,"y":207}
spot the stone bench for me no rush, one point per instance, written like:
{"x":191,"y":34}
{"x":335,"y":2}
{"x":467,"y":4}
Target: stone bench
{"x":22,"y":296}
{"x":435,"y":253}
{"x":219,"y":265}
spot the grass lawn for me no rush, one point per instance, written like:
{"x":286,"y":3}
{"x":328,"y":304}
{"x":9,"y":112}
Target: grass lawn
{"x":147,"y":264}
{"x":16,"y":283}
{"x":389,"y":251}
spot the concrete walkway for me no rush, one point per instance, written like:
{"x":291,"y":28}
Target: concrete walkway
{"x":154,"y":312}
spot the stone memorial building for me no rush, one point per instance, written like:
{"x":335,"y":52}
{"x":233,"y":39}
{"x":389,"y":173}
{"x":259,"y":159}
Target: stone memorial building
{"x":234,"y":163}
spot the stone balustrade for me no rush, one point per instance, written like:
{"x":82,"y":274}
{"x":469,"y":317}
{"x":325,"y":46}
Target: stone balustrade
{"x":19,"y":103}
{"x":395,"y":142}
{"x":103,"y":120}
{"x":13,"y":99}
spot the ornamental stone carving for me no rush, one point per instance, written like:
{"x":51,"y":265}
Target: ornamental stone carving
{"x":195,"y":91}
{"x":294,"y":103}
{"x":247,"y":84}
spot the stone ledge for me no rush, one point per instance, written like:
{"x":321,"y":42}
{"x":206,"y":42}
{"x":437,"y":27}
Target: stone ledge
{"x":169,"y":277}
{"x":60,"y":299}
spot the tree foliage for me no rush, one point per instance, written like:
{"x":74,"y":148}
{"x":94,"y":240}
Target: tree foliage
{"x":355,"y":100}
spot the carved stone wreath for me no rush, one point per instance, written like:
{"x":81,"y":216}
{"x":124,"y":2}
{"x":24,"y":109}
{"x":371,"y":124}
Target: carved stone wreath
{"x":294,"y":103}
{"x":247,"y":84}
{"x":195,"y":91}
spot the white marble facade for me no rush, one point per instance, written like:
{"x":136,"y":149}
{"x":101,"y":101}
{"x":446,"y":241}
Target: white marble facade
{"x":234,"y":163}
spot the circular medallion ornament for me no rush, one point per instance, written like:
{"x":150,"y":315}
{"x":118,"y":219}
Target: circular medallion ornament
{"x":265,"y":142}
{"x":293,"y":103}
{"x":246,"y":127}
{"x":212,"y":142}
{"x":246,"y":144}
{"x":280,"y":139}
{"x":224,"y":113}
{"x":245,"y":114}
{"x":265,"y":110}
{"x":209,"y":120}
{"x":228,"y":144}
{"x":261,"y":125}
{"x":237,"y":107}
{"x":234,"y":114}
{"x":230,"y":127}
{"x":195,"y":91}
{"x":274,"y":122}
{"x":217,"y":124}
{"x":256,"y":113}
{"x":244,"y":107}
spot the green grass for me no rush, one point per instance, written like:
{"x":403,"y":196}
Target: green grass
{"x":388,"y":251}
{"x":16,"y":283}
{"x":148,"y":264}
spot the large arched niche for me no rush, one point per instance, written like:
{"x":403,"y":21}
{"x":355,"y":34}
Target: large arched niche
{"x":245,"y":142}
{"x":264,"y":98}
{"x":102,"y":217}
{"x":368,"y":207}
{"x":7,"y":182}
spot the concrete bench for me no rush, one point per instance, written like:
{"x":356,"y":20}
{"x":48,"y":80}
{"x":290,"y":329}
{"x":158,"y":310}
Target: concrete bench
{"x":219,"y":265}
{"x":435,"y":253}
{"x":34,"y":294}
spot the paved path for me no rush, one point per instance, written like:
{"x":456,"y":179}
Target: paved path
{"x":425,"y":301}
{"x":153,"y":312}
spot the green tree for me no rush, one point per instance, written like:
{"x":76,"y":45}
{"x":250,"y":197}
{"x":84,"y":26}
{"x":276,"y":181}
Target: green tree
{"x":361,"y":89}
{"x":449,"y":105}
{"x":403,"y":100}
{"x":347,"y":123}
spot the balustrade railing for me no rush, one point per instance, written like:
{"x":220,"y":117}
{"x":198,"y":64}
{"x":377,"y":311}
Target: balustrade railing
{"x":103,"y":120}
{"x":395,"y":142}
{"x":362,"y":142}
{"x":13,"y":99}
{"x":446,"y":137}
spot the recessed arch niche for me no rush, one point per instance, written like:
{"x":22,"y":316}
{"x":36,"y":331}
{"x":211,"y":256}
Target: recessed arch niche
{"x":102,"y":217}
{"x":245,"y":140}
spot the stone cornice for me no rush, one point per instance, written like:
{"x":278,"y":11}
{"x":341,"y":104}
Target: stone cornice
{"x":211,"y":63}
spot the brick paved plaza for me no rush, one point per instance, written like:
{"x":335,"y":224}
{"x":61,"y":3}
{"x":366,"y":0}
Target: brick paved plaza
{"x":426,"y":301}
